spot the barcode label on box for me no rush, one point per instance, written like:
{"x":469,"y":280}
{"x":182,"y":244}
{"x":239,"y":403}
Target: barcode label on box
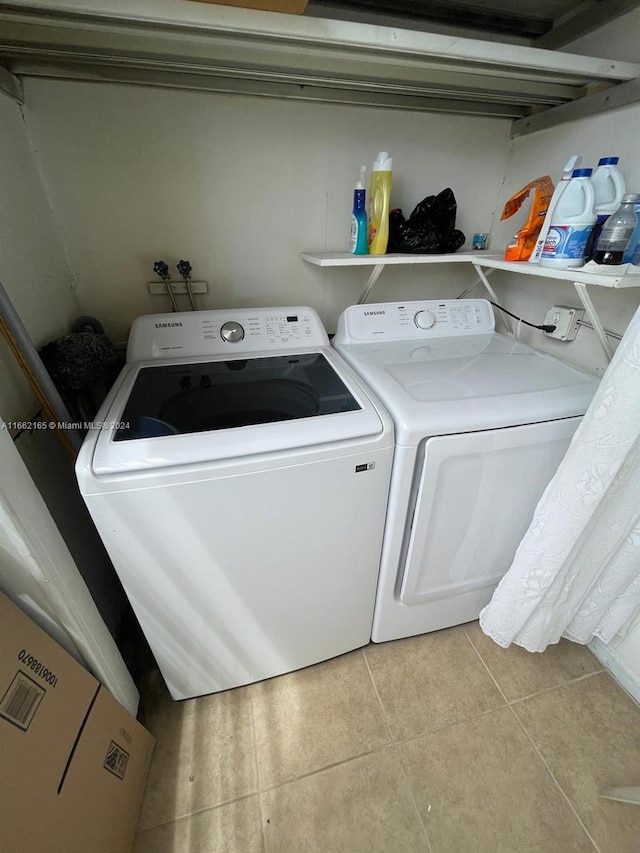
{"x":20,"y":701}
{"x":116,"y":760}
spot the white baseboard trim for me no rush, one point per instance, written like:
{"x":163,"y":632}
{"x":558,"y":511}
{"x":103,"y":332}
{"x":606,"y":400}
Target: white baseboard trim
{"x":608,"y":658}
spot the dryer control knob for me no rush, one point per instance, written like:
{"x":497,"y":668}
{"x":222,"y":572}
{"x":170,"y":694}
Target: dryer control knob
{"x":424,"y":319}
{"x":231,"y":332}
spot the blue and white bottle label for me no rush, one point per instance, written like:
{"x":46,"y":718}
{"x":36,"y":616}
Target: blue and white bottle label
{"x":353,"y":242}
{"x":566,"y":241}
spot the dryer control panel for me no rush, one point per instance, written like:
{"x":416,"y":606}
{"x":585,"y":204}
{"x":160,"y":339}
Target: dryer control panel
{"x":408,"y":320}
{"x":202,"y":333}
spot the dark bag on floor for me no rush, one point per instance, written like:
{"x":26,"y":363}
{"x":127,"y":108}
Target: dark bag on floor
{"x":430,"y":230}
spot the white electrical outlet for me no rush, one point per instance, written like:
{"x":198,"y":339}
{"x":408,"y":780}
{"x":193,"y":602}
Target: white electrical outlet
{"x":565,"y":319}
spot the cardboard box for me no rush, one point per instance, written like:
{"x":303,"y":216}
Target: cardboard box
{"x":290,"y":7}
{"x":73,"y":761}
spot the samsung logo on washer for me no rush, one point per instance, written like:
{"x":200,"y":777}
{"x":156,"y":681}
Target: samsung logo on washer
{"x":166,"y":325}
{"x":373,"y":313}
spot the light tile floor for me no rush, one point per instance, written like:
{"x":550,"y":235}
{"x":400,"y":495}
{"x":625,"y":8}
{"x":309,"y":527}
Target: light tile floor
{"x":443,"y":743}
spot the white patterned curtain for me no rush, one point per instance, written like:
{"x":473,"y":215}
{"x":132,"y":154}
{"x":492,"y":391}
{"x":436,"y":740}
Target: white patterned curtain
{"x":576,"y":573}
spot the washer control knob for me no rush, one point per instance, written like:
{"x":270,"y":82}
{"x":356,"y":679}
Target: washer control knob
{"x":231,"y":332}
{"x":424,"y":319}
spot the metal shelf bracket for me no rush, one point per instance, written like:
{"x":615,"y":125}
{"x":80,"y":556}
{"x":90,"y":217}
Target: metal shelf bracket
{"x":592,"y":314}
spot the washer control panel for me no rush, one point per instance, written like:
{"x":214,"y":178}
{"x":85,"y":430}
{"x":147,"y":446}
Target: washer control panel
{"x":415,"y":320}
{"x":202,"y":333}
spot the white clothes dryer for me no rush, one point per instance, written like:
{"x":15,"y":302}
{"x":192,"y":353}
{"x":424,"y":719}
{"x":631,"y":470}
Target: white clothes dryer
{"x":238,"y":475}
{"x":482,"y":422}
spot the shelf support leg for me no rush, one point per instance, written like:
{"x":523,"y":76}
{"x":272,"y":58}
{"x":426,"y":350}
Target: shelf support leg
{"x":375,"y":275}
{"x":485,"y":281}
{"x":585,"y":298}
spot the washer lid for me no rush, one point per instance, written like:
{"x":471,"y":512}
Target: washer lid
{"x":468,"y":383}
{"x":185,"y":411}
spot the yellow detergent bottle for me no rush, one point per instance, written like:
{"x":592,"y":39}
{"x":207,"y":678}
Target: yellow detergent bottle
{"x":379,"y":203}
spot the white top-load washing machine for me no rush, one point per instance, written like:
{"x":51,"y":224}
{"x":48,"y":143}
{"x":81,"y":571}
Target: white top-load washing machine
{"x":238,"y":475}
{"x":481,"y":423}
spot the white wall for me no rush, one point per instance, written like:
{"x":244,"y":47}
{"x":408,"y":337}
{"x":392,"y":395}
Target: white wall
{"x":33,"y":267}
{"x":617,"y":40}
{"x":239,"y":186}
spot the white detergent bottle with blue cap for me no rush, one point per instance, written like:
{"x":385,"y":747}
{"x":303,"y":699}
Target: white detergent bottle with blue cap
{"x":609,"y":187}
{"x":571,"y":164}
{"x":571,"y":223}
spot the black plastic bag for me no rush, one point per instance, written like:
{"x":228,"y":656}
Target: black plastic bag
{"x":430,"y":230}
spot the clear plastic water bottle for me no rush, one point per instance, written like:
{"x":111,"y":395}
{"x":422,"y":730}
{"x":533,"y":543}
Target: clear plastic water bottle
{"x":616,"y":232}
{"x":609,"y":188}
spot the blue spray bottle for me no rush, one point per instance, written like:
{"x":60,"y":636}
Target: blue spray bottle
{"x":359,"y":230}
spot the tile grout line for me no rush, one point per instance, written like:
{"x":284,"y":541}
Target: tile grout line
{"x":394,"y":744}
{"x":556,"y":782}
{"x":429,"y":732}
{"x":375,"y":690}
{"x":254,"y":741}
{"x":402,"y":740}
{"x":268,"y":790}
{"x":537,"y":692}
{"x":438,"y":729}
{"x":253,"y":738}
{"x":555,"y":687}
{"x":331,"y":766}
{"x":533,"y":744}
{"x":482,"y":661}
{"x":196,"y":813}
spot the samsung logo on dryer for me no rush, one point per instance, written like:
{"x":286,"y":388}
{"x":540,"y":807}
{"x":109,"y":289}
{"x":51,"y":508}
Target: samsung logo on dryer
{"x":166,"y":325}
{"x":373,"y":313}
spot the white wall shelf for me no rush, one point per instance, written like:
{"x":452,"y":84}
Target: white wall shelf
{"x":345,"y":259}
{"x":486,"y":260}
{"x":575,"y":274}
{"x":481,"y":262}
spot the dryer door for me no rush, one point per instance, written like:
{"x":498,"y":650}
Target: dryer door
{"x":474,"y":500}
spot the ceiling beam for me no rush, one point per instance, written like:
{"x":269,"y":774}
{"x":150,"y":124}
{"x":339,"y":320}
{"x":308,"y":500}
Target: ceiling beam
{"x":618,"y":96}
{"x":275,"y":87}
{"x":193,"y":45}
{"x":35,"y":24}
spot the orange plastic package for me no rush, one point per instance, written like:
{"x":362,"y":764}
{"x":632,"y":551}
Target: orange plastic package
{"x":525,"y":240}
